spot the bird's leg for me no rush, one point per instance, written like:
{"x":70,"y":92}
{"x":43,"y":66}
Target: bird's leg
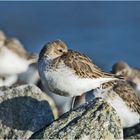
{"x":77,"y":101}
{"x":72,"y":103}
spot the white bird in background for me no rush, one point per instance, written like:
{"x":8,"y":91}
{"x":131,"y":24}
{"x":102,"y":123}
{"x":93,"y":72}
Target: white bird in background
{"x":14,"y":59}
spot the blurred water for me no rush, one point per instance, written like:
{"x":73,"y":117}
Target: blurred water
{"x":105,"y":31}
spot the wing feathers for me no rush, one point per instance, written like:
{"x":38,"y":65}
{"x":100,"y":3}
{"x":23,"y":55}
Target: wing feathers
{"x":83,"y":66}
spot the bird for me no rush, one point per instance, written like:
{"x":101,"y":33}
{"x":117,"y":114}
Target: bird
{"x":69,"y":73}
{"x":123,"y":98}
{"x":14,"y":59}
{"x":130,"y":74}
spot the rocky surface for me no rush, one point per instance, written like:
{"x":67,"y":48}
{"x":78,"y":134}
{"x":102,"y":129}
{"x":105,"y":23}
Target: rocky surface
{"x":95,"y":120}
{"x":23,"y":110}
{"x":26,"y":112}
{"x":132,"y":132}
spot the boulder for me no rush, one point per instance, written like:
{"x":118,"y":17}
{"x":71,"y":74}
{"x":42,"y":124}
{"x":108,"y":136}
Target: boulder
{"x":93,"y":120}
{"x":23,"y":110}
{"x":132,"y":132}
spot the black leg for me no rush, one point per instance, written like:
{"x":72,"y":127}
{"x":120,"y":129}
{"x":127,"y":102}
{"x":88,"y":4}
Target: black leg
{"x":72,"y":103}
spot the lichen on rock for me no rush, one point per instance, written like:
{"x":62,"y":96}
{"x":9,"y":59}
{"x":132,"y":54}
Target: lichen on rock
{"x":94,"y":120}
{"x":23,"y":110}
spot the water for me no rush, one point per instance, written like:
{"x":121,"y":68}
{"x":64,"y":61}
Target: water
{"x":105,"y":31}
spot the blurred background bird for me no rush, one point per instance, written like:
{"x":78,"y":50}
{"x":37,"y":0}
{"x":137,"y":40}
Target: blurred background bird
{"x":14,"y":59}
{"x":132,"y":75}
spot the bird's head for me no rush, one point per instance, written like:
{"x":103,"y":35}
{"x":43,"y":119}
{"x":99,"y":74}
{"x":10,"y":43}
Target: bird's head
{"x":53,"y":49}
{"x":121,"y":68}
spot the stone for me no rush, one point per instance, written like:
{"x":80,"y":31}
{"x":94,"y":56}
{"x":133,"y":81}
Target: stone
{"x":23,"y":110}
{"x":132,"y":132}
{"x":93,"y":120}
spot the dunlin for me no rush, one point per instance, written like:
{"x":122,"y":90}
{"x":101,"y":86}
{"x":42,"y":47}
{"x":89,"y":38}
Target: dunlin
{"x":14,"y":59}
{"x":132,"y":75}
{"x":123,"y":98}
{"x":69,"y":73}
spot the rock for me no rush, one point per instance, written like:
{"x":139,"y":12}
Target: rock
{"x":95,"y":120}
{"x":23,"y":110}
{"x":132,"y":132}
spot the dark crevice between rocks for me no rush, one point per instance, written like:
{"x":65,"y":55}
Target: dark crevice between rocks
{"x":28,"y":104}
{"x":131,"y":131}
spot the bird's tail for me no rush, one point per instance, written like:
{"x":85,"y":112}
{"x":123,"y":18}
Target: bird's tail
{"x":119,"y":77}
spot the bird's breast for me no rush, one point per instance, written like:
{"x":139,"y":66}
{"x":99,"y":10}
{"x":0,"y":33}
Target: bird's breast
{"x":11,"y":63}
{"x":63,"y":79}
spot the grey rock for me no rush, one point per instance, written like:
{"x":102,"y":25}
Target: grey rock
{"x":23,"y":110}
{"x":93,"y":120}
{"x":132,"y":132}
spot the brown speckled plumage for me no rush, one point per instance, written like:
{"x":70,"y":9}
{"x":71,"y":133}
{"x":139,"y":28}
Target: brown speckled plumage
{"x":128,"y":94}
{"x":81,"y":64}
{"x":123,"y":98}
{"x":130,"y":74}
{"x":14,"y":45}
{"x":110,"y":84}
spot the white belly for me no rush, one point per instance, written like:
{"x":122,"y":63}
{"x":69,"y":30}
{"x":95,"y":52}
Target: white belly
{"x":128,"y":118}
{"x":64,"y":82}
{"x":71,"y":85}
{"x":11,"y":63}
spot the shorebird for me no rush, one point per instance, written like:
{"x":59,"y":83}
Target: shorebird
{"x":123,"y":99}
{"x":69,"y":73}
{"x":132,"y":75}
{"x":14,"y":59}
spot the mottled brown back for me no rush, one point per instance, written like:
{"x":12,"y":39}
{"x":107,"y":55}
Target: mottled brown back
{"x":14,"y":45}
{"x":128,"y":94}
{"x":83,"y":65}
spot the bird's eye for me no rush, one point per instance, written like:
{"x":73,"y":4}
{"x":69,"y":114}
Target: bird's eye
{"x":60,"y":50}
